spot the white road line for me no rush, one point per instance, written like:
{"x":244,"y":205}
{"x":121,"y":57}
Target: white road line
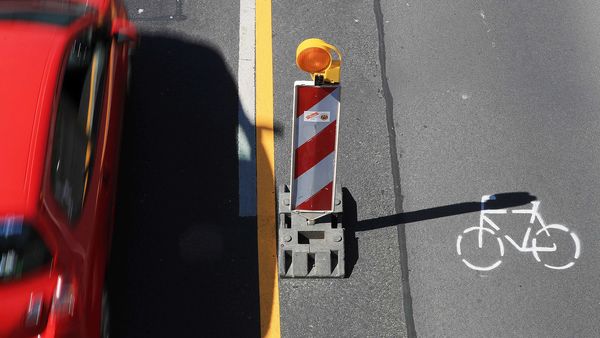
{"x":247,"y":109}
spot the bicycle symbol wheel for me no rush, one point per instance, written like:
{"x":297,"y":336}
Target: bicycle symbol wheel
{"x":564,"y":255}
{"x":476,"y":248}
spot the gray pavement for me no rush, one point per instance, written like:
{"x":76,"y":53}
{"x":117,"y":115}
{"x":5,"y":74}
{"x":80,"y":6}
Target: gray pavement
{"x":369,"y":302}
{"x":183,"y":263}
{"x":494,"y":97}
{"x":473,"y":98}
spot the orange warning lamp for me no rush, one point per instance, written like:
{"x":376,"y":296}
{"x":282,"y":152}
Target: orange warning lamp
{"x":314,"y":56}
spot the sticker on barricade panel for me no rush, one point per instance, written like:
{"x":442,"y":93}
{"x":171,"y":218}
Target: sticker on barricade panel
{"x":316,"y":116}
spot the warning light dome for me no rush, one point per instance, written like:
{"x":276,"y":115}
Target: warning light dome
{"x":320,"y":59}
{"x":314,"y":60}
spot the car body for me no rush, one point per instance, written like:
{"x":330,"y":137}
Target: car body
{"x":63,"y":78}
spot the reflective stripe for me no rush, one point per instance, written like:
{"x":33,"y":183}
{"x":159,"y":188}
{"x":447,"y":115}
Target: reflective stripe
{"x":320,"y":201}
{"x":316,"y":117}
{"x":315,"y":150}
{"x":308,"y":96}
{"x":307,"y":130}
{"x":313,"y":180}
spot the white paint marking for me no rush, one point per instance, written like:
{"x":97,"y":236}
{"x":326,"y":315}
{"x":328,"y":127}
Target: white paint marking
{"x":560,"y":267}
{"x":478,"y":229}
{"x":577,"y":245}
{"x":501,"y":246}
{"x":478,"y":268}
{"x":465,"y":96}
{"x":486,"y":219}
{"x":535,"y":253}
{"x":140,"y":11}
{"x":525,"y":246}
{"x":247,"y":109}
{"x":552,"y":226}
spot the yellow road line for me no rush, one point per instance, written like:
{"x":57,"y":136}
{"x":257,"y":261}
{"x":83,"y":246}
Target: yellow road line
{"x":265,"y":175}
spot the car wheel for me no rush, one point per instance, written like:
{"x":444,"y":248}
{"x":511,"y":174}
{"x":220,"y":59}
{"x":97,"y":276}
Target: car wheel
{"x":128,"y":84}
{"x":105,"y":317}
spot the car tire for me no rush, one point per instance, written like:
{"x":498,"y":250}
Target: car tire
{"x":105,"y":316}
{"x":128,"y":84}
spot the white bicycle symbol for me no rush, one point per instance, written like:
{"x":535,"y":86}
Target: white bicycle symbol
{"x":537,"y":251}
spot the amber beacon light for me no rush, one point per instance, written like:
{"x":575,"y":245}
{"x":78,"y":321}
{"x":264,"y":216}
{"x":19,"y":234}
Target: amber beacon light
{"x":315,"y":56}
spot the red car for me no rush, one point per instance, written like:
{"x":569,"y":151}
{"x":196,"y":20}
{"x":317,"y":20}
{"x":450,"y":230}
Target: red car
{"x":63,"y":78}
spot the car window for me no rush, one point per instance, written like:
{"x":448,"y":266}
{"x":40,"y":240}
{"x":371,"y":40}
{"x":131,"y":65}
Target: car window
{"x":22,"y":250}
{"x":60,"y":19}
{"x":59,"y":13}
{"x":77,"y":120}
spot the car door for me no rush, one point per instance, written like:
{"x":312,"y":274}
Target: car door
{"x":75,"y":168}
{"x":83,"y":150}
{"x":75,"y":197}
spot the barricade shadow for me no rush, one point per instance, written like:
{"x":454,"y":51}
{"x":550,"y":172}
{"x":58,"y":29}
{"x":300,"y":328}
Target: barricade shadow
{"x":502,"y":201}
{"x":183,"y":263}
{"x":349,"y":222}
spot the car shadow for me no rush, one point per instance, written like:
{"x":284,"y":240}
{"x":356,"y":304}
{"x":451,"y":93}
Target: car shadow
{"x":183,"y":263}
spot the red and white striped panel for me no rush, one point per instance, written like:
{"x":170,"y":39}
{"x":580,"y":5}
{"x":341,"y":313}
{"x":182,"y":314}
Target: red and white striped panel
{"x":315,"y":136}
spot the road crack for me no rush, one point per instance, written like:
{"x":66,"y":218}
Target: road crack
{"x":395,"y":163}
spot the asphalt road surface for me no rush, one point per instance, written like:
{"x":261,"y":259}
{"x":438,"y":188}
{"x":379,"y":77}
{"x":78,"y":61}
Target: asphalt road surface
{"x":442,"y":103}
{"x":183,"y":263}
{"x":489,"y":98}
